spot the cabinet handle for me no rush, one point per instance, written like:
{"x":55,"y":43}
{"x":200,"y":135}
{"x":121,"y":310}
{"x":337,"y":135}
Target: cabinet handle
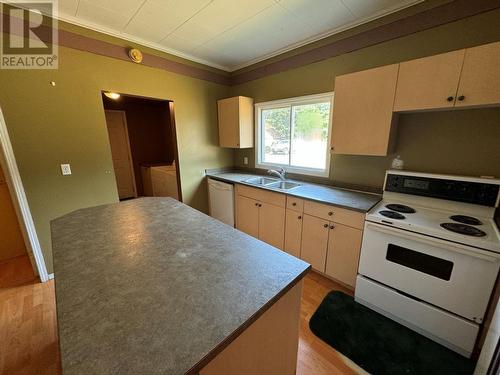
{"x":332,"y":226}
{"x":461,"y":98}
{"x":256,"y":205}
{"x":260,"y":204}
{"x":325,"y":225}
{"x":294,"y":204}
{"x":330,"y":213}
{"x":450,"y":98}
{"x":300,"y":217}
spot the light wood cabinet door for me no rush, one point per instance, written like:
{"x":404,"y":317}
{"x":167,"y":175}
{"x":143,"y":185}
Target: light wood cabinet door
{"x":272,"y":224}
{"x":480,"y":78}
{"x":293,"y":232}
{"x":247,"y":215}
{"x":235,"y":122}
{"x":120,"y":151}
{"x":344,"y":245}
{"x":429,"y":83}
{"x":314,"y":241}
{"x":363,"y":111}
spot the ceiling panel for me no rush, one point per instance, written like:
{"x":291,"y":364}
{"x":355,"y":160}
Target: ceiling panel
{"x":179,"y":43}
{"x":227,"y":34}
{"x":125,"y":8}
{"x":221,"y":15}
{"x":95,"y":14}
{"x":214,"y":20}
{"x":367,"y":8}
{"x":325,"y":15}
{"x":197,"y":34}
{"x":280,"y":29}
{"x":68,"y":6}
{"x":160,"y":18}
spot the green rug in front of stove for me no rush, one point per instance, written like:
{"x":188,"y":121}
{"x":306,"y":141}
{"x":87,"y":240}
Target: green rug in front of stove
{"x":380,"y":345}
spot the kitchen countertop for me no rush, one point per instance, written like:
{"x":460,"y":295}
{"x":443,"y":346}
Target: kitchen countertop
{"x":350,"y":199}
{"x":152,"y":286}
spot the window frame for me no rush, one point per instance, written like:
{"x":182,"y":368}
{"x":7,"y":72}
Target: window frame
{"x":290,"y":102}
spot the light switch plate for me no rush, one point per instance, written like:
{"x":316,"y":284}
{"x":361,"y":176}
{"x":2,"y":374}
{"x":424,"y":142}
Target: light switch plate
{"x":245,"y":160}
{"x":65,"y":169}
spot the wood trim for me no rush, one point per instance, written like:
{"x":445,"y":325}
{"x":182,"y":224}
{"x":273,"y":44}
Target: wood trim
{"x":18,"y":196}
{"x":262,"y":195}
{"x":173,"y":126}
{"x":99,"y":47}
{"x":440,"y":15}
{"x":434,"y":17}
{"x":231,"y":337}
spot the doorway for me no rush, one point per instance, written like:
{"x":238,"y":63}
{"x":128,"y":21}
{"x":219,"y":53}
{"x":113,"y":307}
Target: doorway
{"x":143,"y":144}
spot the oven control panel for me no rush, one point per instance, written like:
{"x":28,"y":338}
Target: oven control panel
{"x":461,"y":191}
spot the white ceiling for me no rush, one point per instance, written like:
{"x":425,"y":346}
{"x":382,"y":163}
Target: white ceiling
{"x":226,"y":34}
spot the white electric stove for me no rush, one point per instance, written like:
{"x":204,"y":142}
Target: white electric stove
{"x":431,"y":253}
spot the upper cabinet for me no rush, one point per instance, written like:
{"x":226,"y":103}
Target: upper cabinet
{"x":480,"y":78}
{"x":365,"y":102}
{"x":363,"y":111}
{"x":429,"y":83}
{"x":236,"y":125}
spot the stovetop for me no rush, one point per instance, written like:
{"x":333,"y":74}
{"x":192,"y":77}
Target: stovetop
{"x":480,"y":232}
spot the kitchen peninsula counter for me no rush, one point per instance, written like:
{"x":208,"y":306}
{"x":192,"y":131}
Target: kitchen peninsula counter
{"x":152,"y":286}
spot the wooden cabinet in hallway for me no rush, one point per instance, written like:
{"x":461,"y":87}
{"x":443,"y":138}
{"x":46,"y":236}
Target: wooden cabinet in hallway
{"x":120,"y":151}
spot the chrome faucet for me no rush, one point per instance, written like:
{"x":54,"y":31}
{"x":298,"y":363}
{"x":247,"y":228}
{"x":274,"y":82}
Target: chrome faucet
{"x":281,"y":173}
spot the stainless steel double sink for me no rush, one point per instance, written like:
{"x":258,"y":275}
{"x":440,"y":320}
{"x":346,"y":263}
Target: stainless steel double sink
{"x":272,"y":183}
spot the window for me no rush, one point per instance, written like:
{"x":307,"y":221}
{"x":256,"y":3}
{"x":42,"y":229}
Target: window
{"x":294,"y":134}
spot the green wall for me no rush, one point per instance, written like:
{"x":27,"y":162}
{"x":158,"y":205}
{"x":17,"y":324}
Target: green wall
{"x":460,"y":142}
{"x":65,"y":124}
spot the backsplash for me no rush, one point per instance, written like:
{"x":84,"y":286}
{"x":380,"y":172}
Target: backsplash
{"x":463,"y":142}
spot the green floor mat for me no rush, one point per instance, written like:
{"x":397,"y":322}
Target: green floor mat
{"x":380,"y":345}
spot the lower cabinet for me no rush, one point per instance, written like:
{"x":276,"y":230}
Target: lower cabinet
{"x":331,"y":248}
{"x":261,"y":220}
{"x":344,"y":246}
{"x":272,"y":224}
{"x":327,"y":237}
{"x":314,"y":242}
{"x":293,"y":232}
{"x":247,"y":215}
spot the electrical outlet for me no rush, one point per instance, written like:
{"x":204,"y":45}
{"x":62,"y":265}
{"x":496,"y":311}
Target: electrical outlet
{"x":65,"y":169}
{"x":245,"y":160}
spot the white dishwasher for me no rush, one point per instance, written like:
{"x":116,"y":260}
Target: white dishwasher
{"x":221,"y":201}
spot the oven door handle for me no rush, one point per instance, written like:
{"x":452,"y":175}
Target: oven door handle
{"x":456,"y":247}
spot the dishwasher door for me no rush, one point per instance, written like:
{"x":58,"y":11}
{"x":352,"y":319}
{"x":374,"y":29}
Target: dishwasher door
{"x":221,"y":201}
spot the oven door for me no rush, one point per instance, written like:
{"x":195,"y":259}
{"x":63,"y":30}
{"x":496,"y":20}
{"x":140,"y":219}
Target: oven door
{"x":452,"y":276}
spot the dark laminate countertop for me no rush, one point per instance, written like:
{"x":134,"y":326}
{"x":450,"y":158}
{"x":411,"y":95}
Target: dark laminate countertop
{"x":351,"y":199}
{"x":152,"y":286}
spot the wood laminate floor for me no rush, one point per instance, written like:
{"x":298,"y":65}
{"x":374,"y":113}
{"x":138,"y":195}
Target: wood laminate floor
{"x":28,"y":328}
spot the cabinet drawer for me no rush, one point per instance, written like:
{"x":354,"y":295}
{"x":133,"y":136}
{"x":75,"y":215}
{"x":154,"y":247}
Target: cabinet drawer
{"x":276,"y":199}
{"x":295,"y":204}
{"x":339,"y":215}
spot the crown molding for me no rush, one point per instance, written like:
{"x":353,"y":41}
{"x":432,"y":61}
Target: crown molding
{"x":434,"y":17}
{"x":428,"y":19}
{"x":131,"y":38}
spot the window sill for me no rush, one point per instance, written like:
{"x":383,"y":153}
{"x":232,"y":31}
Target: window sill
{"x":295,"y":170}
